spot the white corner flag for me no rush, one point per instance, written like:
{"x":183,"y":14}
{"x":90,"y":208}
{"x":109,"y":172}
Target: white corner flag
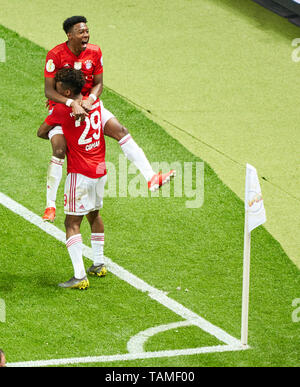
{"x":255,"y":215}
{"x":254,"y":205}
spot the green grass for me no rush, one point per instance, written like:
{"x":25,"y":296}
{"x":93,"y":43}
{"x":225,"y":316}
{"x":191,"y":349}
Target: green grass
{"x":158,"y":239}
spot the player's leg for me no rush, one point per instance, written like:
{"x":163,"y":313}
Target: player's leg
{"x":96,"y":195}
{"x":75,"y":192}
{"x":74,"y":246}
{"x":54,"y":173}
{"x":113,"y":129}
{"x":97,"y":241}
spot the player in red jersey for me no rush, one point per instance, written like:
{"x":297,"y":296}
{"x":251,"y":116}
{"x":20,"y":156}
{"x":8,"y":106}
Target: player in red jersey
{"x":79,"y":54}
{"x":84,"y":187}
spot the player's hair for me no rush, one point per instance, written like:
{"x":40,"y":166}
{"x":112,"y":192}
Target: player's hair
{"x":71,"y":21}
{"x":70,"y":79}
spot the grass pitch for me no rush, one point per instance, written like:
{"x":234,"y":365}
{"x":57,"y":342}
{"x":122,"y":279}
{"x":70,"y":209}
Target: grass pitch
{"x":217,"y":75}
{"x":158,"y":239}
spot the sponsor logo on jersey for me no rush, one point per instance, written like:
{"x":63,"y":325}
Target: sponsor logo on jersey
{"x":50,"y":66}
{"x":67,"y":65}
{"x":88,"y":64}
{"x":77,"y":65}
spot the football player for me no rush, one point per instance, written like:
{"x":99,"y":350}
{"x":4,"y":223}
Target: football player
{"x":79,"y":54}
{"x":84,"y":186}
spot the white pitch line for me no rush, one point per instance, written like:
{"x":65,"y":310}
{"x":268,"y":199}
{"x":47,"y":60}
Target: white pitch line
{"x":128,"y":356}
{"x":137,"y":342}
{"x":125,"y":275}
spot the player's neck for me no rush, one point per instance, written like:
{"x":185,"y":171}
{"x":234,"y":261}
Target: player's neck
{"x":75,"y":50}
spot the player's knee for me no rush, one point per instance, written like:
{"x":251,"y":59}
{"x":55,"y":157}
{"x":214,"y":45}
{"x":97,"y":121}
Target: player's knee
{"x":59,"y":152}
{"x":120,"y":132}
{"x":123,"y":132}
{"x":67,"y":223}
{"x":115,"y":130}
{"x":59,"y":146}
{"x":71,"y":226}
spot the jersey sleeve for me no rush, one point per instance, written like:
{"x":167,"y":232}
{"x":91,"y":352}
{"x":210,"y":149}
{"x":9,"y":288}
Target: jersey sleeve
{"x":55,"y":116}
{"x":99,"y":62}
{"x":52,"y":65}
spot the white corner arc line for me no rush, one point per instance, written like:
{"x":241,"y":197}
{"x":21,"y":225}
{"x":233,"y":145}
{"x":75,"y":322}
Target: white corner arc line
{"x":137,"y":342}
{"x":125,"y":275}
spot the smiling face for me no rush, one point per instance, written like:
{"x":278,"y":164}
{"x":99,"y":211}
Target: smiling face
{"x":79,"y":37}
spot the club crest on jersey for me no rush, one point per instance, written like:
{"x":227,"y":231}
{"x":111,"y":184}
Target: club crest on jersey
{"x":77,"y":65}
{"x":88,"y":64}
{"x":50,"y":66}
{"x":50,"y":112}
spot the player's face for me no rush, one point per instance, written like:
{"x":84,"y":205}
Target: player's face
{"x":79,"y":36}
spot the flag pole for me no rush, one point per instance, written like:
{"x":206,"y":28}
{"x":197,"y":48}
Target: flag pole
{"x":246,"y":282}
{"x":255,"y":215}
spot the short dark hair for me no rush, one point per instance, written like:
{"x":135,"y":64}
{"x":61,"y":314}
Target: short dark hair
{"x":70,"y":79}
{"x":71,"y":21}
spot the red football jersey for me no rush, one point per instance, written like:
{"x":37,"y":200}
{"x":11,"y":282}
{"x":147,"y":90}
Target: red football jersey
{"x":85,"y":140}
{"x":89,"y":62}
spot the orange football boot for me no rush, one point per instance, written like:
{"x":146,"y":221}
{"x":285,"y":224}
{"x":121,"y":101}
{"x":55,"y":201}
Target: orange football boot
{"x":160,"y":179}
{"x":49,"y":214}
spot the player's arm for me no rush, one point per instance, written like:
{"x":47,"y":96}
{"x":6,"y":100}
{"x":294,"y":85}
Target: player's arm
{"x":43,"y":131}
{"x":98,"y":85}
{"x":53,"y":95}
{"x":95,"y":93}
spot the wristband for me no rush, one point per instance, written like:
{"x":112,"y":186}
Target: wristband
{"x":69,"y":102}
{"x":93,"y":97}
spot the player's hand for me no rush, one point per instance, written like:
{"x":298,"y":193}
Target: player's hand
{"x":87,"y":105}
{"x":78,"y":111}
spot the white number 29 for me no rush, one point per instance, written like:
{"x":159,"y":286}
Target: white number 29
{"x":93,"y":121}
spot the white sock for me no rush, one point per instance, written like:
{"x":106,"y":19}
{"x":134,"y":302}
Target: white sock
{"x":74,"y":246}
{"x":54,"y":176}
{"x":97,"y":242}
{"x":136,"y":155}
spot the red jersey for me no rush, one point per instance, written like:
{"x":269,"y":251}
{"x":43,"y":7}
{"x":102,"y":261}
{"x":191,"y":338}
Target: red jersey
{"x":89,"y":62}
{"x":85,"y":140}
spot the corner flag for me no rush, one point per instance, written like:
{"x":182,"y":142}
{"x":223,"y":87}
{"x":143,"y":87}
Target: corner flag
{"x":255,"y":215}
{"x":254,"y":204}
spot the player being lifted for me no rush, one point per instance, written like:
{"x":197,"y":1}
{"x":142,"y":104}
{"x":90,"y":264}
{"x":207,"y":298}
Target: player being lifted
{"x":79,"y":54}
{"x":84,"y":186}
